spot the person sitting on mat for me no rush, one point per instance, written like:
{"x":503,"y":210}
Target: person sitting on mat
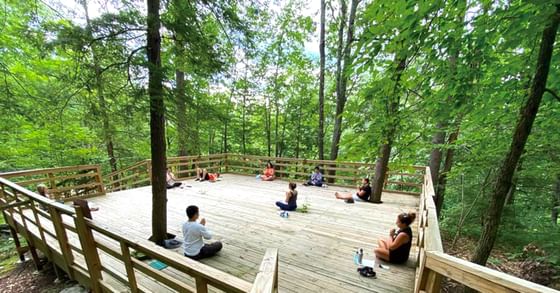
{"x":396,"y":248}
{"x":268,"y":173}
{"x":363,"y":193}
{"x":171,"y":180}
{"x":316,"y":178}
{"x":202,"y":175}
{"x":194,"y":234}
{"x":290,"y":204}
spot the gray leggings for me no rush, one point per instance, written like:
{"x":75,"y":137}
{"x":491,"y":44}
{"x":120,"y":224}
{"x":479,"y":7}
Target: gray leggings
{"x":207,"y":250}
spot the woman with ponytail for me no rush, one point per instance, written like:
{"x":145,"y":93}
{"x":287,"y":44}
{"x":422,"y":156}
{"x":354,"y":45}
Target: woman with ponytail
{"x":396,"y":248}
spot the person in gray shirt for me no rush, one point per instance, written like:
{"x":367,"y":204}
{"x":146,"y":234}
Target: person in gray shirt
{"x":194,"y":234}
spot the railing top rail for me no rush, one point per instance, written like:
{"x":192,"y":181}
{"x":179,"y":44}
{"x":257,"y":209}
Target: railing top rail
{"x":480,"y":277}
{"x":135,"y":165}
{"x":36,"y":197}
{"x":433,"y":240}
{"x":214,"y":276}
{"x":47,"y":170}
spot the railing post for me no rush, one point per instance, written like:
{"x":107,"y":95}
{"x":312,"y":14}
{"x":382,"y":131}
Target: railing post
{"x":89,"y":248}
{"x":62,"y":238}
{"x":201,"y":285}
{"x":53,"y":185}
{"x":149,"y":167}
{"x":129,"y":267}
{"x":99,"y":180}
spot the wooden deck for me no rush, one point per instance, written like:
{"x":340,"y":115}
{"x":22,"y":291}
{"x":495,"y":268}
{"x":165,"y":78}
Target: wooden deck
{"x":315,"y":249}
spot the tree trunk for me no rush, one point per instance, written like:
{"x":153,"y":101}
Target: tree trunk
{"x":157,"y":125}
{"x":182,"y":131}
{"x":448,"y":164}
{"x":99,"y":87}
{"x":436,"y":154}
{"x":243,"y":124}
{"x":382,"y":162}
{"x":521,"y":133}
{"x":555,"y":202}
{"x":320,"y":133}
{"x":343,"y":64}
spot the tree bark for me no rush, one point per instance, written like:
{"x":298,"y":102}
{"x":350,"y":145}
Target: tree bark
{"x":555,"y":202}
{"x":382,"y":162}
{"x":182,"y":131}
{"x":448,"y":164}
{"x":99,"y":87}
{"x":320,"y":133}
{"x":157,"y":125}
{"x":343,"y":64}
{"x":521,"y":133}
{"x":437,"y":154}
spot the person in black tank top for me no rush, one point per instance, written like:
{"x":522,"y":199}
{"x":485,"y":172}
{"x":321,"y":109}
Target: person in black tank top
{"x":396,"y":248}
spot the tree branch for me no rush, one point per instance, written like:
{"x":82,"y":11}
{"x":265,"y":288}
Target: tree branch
{"x":552,"y":93}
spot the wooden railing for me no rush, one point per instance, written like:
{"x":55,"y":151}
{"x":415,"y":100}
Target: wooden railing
{"x":434,"y":264}
{"x":66,"y":183}
{"x":101,"y":258}
{"x":401,"y":179}
{"x":90,"y":253}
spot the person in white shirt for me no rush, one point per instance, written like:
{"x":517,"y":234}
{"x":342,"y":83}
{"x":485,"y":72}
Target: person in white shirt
{"x":194,"y":234}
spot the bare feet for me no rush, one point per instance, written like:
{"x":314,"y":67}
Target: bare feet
{"x":337,"y":195}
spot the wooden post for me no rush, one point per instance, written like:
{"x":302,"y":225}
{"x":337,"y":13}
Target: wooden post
{"x":433,"y":282}
{"x":129,"y":267}
{"x":53,"y":185}
{"x":62,"y":238}
{"x":89,"y":248}
{"x":201,"y":285}
{"x":266,"y":280}
{"x":99,"y":179}
{"x":149,"y":167}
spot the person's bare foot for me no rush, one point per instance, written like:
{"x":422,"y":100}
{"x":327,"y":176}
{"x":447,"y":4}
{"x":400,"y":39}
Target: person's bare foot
{"x":336,"y":194}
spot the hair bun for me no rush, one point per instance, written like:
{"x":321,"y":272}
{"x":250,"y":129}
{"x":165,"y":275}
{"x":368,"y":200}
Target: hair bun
{"x":412,"y":216}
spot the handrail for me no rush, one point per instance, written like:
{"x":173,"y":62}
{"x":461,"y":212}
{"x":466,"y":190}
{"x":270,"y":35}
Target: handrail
{"x":266,"y":280}
{"x":479,"y":277}
{"x":64,"y":251}
{"x":82,"y":182}
{"x":36,"y":197}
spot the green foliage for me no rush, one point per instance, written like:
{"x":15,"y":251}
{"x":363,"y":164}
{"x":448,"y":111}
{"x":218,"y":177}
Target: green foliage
{"x":252,"y":87}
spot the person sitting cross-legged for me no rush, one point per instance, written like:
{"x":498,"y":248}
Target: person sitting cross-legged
{"x":268,"y":173}
{"x":290,"y":204}
{"x":202,"y":175}
{"x":194,"y":234}
{"x":396,"y":248}
{"x":362,"y":194}
{"x":316,"y":178}
{"x":171,"y":180}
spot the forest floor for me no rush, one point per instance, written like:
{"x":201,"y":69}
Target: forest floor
{"x":521,"y":266}
{"x":16,"y":276}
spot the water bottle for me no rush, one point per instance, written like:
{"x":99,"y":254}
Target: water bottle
{"x":360,"y":256}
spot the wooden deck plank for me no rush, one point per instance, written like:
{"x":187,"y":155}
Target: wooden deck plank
{"x":315,"y":249}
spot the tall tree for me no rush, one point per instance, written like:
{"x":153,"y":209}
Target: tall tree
{"x":100,"y":92}
{"x":344,"y":60}
{"x":521,"y":133}
{"x":157,"y":125}
{"x":388,"y":133}
{"x":320,"y":133}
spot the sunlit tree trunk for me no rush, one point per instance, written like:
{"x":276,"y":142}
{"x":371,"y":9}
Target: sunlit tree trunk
{"x":521,"y":133}
{"x":320,"y":133}
{"x":157,"y":125}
